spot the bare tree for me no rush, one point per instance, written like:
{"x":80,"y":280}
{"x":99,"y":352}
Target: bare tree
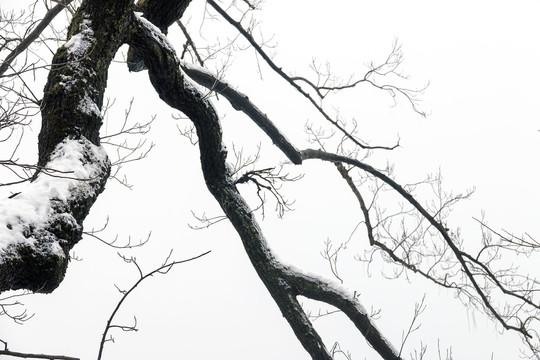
{"x":72,"y":169}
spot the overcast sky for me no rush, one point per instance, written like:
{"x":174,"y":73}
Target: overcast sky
{"x":480,"y":59}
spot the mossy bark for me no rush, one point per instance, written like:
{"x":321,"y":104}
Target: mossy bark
{"x":161,"y":13}
{"x":71,"y":106}
{"x":76,"y":78}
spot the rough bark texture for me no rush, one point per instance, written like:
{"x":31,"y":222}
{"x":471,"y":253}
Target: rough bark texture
{"x":71,"y":113}
{"x":283,"y":284}
{"x":161,"y":13}
{"x":73,"y":97}
{"x":242,"y":103}
{"x":79,"y":78}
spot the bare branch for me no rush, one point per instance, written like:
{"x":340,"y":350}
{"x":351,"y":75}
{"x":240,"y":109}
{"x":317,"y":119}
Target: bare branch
{"x":165,"y":267}
{"x":36,"y":356}
{"x":246,"y":34}
{"x":30,"y":38}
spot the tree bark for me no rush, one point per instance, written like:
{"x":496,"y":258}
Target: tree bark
{"x":34,"y":250}
{"x":70,"y":136}
{"x":161,"y":13}
{"x":284,"y":284}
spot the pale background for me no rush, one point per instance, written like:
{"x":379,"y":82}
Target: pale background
{"x":481,"y":59}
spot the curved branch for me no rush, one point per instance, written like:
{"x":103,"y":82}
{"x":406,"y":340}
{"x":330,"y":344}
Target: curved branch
{"x":242,"y":103}
{"x":172,"y":86}
{"x":460,"y":255}
{"x":162,"y":269}
{"x":320,"y":290}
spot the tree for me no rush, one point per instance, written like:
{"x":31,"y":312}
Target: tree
{"x":43,"y":222}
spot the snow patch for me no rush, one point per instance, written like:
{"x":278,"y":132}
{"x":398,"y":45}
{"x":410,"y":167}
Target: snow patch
{"x":80,"y":43}
{"x":158,"y":36}
{"x":73,"y":164}
{"x":88,"y":106}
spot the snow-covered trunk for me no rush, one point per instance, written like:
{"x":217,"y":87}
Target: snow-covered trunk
{"x":39,"y":225}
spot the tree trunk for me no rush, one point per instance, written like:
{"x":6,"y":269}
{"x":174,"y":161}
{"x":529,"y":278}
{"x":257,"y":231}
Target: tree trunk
{"x":44,"y":221}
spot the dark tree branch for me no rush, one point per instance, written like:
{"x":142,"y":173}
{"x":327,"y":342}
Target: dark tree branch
{"x":287,"y":78}
{"x":263,"y":122}
{"x":27,"y":41}
{"x":242,"y":103}
{"x":172,"y":86}
{"x":161,"y":13}
{"x":441,"y":229}
{"x":36,"y":356}
{"x":160,"y":270}
{"x":345,"y":174}
{"x":189,"y":43}
{"x":317,"y":289}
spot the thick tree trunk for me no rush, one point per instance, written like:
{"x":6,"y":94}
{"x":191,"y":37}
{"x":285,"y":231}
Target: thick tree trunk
{"x":34,"y":249}
{"x":41,"y":224}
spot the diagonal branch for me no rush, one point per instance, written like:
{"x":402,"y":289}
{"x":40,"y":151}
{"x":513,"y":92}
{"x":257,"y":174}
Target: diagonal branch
{"x":207,"y":80}
{"x":242,"y":103}
{"x":458,"y":253}
{"x":290,"y":80}
{"x":282,"y":283}
{"x":320,"y":290}
{"x":27,"y":41}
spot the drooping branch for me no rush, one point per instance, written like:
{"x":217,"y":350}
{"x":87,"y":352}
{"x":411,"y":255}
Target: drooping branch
{"x":172,"y":86}
{"x":461,"y":256}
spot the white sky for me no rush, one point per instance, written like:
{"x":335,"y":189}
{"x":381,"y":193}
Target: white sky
{"x":480,"y":59}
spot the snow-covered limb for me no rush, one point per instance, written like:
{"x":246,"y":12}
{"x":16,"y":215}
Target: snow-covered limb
{"x":318,"y":289}
{"x":39,"y":225}
{"x":283,"y":284}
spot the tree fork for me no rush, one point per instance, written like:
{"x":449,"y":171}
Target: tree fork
{"x":175,"y":89}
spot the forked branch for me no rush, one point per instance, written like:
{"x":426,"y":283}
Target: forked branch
{"x":283,"y":283}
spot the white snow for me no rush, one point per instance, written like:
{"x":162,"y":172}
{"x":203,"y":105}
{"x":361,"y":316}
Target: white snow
{"x":157,"y":35}
{"x":68,"y":178}
{"x":80,"y":43}
{"x":78,"y":47}
{"x":88,"y":106}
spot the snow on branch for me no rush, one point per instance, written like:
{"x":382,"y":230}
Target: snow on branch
{"x":44,"y":220}
{"x":281,"y":282}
